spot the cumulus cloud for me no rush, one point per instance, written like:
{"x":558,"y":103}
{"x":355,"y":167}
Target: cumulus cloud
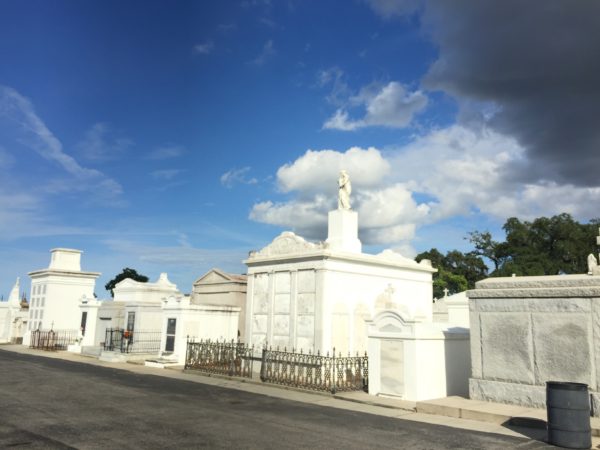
{"x":543,"y":81}
{"x":445,"y":173}
{"x":317,"y":170}
{"x":390,"y":106}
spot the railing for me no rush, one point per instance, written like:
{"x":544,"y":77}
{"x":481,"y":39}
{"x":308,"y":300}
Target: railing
{"x":125,"y":341}
{"x":224,"y":358}
{"x":315,"y":371}
{"x":301,"y":370}
{"x":52,"y":340}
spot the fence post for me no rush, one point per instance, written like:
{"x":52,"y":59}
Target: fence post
{"x":263,"y":364}
{"x":187,"y":348}
{"x":334,"y":381}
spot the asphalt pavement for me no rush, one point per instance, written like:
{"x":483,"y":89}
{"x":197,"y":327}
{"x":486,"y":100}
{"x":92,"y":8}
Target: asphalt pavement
{"x":56,"y":403}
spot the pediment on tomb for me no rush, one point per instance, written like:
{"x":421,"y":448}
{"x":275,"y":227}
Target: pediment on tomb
{"x":213,"y":276}
{"x":287,"y":243}
{"x":389,"y":321}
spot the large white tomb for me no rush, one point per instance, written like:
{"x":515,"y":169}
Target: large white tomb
{"x":317,"y":296}
{"x":56,"y":291}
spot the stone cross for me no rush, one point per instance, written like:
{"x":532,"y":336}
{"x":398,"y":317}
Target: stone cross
{"x":446,"y":292}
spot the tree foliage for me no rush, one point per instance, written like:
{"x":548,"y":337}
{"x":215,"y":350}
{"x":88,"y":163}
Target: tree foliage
{"x":457,"y":271}
{"x":545,"y":246}
{"x":126,"y":273}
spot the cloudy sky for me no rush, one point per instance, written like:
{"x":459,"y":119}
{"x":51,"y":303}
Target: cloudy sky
{"x":178,"y":136}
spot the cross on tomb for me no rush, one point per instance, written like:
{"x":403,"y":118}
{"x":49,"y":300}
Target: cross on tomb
{"x":446,"y":292}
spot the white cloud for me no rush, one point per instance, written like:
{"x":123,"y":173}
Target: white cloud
{"x":390,"y":106}
{"x":98,"y":144}
{"x":237,"y":176}
{"x":455,"y":171}
{"x":205,"y":48}
{"x":36,"y":135}
{"x":166,"y":152}
{"x":165,"y":174}
{"x":318,"y":170}
{"x":267,"y":52}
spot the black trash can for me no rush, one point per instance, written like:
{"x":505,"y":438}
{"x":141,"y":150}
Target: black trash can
{"x":568,"y":407}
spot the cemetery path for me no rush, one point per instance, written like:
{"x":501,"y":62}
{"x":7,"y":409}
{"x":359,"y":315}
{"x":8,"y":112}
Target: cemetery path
{"x":53,"y":403}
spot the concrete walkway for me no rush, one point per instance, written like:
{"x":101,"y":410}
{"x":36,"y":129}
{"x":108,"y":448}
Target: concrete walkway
{"x":456,"y":412}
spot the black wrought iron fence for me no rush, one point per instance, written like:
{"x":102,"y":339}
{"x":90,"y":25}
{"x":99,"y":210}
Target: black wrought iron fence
{"x":52,"y":340}
{"x":315,"y":371}
{"x":232,"y":358}
{"x":125,"y":341}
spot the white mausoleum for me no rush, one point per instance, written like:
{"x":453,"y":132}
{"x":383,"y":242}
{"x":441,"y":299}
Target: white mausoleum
{"x":13,"y":316}
{"x":317,"y":296}
{"x":56,"y":291}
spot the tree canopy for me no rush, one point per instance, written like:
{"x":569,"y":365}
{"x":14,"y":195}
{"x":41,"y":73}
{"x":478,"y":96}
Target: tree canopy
{"x":457,"y":271}
{"x":544,"y":246}
{"x":126,"y":273}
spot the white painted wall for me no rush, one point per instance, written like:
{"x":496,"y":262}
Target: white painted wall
{"x":198,"y":322}
{"x":56,"y":293}
{"x":429,"y":360}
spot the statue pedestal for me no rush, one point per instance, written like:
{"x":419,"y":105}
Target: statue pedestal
{"x":343,"y":231}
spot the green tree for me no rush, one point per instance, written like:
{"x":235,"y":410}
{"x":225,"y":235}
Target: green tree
{"x":457,"y":271}
{"x":126,"y":273}
{"x":544,"y":246}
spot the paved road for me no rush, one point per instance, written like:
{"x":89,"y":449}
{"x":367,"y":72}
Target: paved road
{"x":52,"y":403}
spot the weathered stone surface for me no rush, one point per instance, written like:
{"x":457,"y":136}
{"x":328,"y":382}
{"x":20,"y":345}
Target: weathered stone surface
{"x":392,"y":367}
{"x":562,"y":348}
{"x":306,"y":344}
{"x":535,"y":282}
{"x":567,"y":304}
{"x":306,"y":281}
{"x":261,"y":304}
{"x":281,"y":342}
{"x":259,"y":340}
{"x":282,"y":282}
{"x":512,"y":393}
{"x":281,"y":304}
{"x":281,"y":325}
{"x":589,"y":291}
{"x":507,"y":347}
{"x":261,"y":282}
{"x":306,"y":303}
{"x":596,"y":341}
{"x":476,"y":367}
{"x":259,"y":324}
{"x":306,"y":326}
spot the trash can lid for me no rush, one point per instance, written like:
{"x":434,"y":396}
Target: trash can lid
{"x":566,"y":385}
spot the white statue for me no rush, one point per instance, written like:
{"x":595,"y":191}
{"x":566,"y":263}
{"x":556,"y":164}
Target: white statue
{"x":345,"y":189}
{"x":592,"y":264}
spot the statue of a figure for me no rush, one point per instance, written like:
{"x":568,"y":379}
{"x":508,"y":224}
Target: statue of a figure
{"x":345,"y":189}
{"x":592,"y":264}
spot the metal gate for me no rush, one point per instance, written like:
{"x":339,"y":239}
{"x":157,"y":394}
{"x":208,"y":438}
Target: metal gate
{"x":126,"y":341}
{"x":52,"y":340}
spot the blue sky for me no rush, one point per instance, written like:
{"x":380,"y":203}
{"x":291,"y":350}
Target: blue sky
{"x":177,"y":136}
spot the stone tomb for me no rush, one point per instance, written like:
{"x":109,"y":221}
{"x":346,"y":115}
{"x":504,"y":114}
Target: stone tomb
{"x":317,"y":296}
{"x":529,"y":330}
